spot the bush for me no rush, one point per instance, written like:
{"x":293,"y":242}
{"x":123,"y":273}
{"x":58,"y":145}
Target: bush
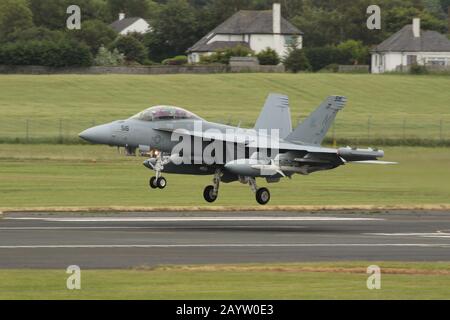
{"x":418,"y":69}
{"x":296,"y":61}
{"x":268,"y":57}
{"x":107,"y":58}
{"x":334,"y":67}
{"x":133,"y":49}
{"x":355,"y":51}
{"x":320,"y":57}
{"x":176,"y":61}
{"x":46,"y":53}
{"x":223,"y":56}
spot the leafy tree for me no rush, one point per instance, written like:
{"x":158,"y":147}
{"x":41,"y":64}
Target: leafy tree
{"x":49,"y":14}
{"x":268,"y":57}
{"x":36,"y":34}
{"x":445,"y":4}
{"x":14,"y":16}
{"x":95,"y":33}
{"x":296,"y":61}
{"x":133,"y":49}
{"x":356,"y":50}
{"x":398,"y":17}
{"x":133,"y":8}
{"x":174,"y":30}
{"x":52,"y":13}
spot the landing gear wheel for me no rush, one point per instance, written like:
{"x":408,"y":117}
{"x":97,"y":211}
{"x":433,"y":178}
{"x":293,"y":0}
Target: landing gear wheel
{"x":152,"y":183}
{"x":161,"y":182}
{"x":263,"y":196}
{"x":209,"y":195}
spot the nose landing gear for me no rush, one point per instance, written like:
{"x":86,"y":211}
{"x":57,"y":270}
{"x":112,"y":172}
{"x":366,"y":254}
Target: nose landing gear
{"x":212,"y":192}
{"x":158,"y":181}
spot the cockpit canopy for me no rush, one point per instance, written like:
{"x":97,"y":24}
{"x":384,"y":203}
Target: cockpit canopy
{"x":159,"y":113}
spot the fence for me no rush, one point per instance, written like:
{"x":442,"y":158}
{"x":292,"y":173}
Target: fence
{"x":143,"y":70}
{"x":365,"y":129}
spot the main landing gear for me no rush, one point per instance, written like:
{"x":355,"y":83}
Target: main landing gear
{"x":262,"y":194}
{"x":211,"y":192}
{"x":160,"y":182}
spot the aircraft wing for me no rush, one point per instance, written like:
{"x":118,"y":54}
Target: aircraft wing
{"x":250,"y":139}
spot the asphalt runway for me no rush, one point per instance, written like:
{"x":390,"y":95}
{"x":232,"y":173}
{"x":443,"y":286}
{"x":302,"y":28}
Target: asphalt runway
{"x":150,"y":239}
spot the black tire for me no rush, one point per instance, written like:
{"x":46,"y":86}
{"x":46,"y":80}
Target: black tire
{"x":152,"y":183}
{"x":263,"y":196}
{"x":161,"y":182}
{"x":209,"y":195}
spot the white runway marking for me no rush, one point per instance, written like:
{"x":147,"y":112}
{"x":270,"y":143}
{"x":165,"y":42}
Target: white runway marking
{"x":147,"y":228}
{"x":232,"y":245}
{"x":193,"y":219}
{"x":438,"y":234}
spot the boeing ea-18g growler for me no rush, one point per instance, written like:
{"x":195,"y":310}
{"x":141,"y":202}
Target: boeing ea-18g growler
{"x":181,"y":142}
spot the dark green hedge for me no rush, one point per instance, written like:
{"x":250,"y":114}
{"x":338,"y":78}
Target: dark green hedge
{"x":46,"y":53}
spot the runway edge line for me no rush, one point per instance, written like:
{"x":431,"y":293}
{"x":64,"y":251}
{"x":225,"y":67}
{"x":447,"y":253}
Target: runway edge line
{"x":309,"y":208}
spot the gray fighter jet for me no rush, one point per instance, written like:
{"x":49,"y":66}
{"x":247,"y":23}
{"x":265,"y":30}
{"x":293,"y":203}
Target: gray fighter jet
{"x":180,"y":142}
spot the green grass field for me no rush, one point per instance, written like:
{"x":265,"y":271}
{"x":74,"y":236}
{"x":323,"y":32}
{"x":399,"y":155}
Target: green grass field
{"x":284,"y":281}
{"x":57,"y":175}
{"x":46,"y":108}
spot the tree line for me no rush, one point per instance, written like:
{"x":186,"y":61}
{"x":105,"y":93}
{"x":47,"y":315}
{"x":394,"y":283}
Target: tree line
{"x":34,"y":31}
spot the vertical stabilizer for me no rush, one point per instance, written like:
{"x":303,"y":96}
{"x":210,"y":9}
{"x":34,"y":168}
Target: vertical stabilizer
{"x":313,"y":130}
{"x":276,"y":114}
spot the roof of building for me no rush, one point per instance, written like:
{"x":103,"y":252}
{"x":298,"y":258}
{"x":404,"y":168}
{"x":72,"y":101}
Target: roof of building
{"x":120,"y":25}
{"x":404,"y":41}
{"x":256,"y":22}
{"x":245,"y":22}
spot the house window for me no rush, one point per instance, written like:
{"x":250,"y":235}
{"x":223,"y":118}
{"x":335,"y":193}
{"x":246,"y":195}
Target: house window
{"x":290,"y":41}
{"x":411,"y":60}
{"x":436,"y":61}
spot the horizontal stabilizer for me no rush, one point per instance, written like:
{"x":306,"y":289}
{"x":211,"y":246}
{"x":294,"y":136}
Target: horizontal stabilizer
{"x":275,"y":115}
{"x":313,"y":130}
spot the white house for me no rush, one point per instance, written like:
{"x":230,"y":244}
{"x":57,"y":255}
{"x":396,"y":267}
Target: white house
{"x":124,"y":26}
{"x":256,"y":30}
{"x":409,"y":46}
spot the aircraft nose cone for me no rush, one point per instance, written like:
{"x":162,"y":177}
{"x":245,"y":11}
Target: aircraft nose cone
{"x":100,"y":134}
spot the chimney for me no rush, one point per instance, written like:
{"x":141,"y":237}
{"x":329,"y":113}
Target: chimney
{"x":416,"y":27}
{"x":276,"y":18}
{"x":121,"y":16}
